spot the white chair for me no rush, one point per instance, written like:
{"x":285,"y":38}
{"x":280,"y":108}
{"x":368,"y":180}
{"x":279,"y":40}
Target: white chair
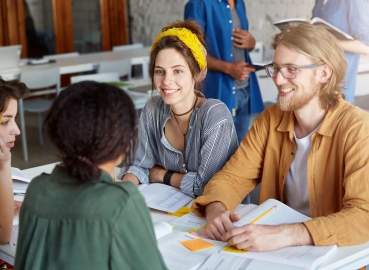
{"x":127,"y":47}
{"x":100,"y":77}
{"x":60,"y":55}
{"x":139,"y":99}
{"x":122,"y":67}
{"x":142,"y":61}
{"x":37,"y":79}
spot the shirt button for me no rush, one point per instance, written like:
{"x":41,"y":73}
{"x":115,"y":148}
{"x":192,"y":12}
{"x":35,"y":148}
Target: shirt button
{"x":233,"y":87}
{"x":230,"y":21}
{"x":231,"y":54}
{"x":292,"y":153}
{"x":234,"y":92}
{"x":227,"y":6}
{"x":231,"y":38}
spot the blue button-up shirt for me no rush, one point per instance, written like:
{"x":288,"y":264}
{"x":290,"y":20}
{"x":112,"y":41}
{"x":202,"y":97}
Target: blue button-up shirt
{"x":214,"y":17}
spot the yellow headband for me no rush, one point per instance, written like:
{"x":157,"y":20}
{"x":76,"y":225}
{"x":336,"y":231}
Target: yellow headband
{"x":190,"y":40}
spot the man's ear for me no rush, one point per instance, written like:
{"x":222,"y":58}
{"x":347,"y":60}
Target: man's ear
{"x":324,"y":73}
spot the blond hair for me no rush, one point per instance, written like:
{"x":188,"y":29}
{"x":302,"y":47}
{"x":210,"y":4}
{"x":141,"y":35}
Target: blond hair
{"x":319,"y":46}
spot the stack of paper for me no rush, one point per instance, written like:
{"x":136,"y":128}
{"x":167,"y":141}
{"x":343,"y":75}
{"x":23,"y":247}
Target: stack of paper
{"x":20,"y":181}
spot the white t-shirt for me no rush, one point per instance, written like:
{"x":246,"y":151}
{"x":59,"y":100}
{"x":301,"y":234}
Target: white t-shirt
{"x":296,"y":187}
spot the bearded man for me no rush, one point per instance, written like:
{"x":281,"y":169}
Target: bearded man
{"x":309,"y":151}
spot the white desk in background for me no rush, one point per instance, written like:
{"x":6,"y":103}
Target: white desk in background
{"x":80,"y":63}
{"x":344,"y":258}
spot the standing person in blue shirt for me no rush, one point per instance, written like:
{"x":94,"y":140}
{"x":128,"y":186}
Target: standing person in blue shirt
{"x":352,"y":17}
{"x":230,"y":77}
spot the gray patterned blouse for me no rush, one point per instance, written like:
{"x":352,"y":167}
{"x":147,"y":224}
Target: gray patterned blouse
{"x":211,"y":140}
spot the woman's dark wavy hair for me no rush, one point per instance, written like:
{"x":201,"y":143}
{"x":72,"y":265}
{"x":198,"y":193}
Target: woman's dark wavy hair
{"x":92,"y":123}
{"x":11,"y":90}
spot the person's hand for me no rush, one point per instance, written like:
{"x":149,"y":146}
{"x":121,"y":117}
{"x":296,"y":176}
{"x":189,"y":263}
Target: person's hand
{"x":242,"y":39}
{"x":219,"y":220}
{"x":5,"y":154}
{"x":240,"y":70}
{"x":156,"y":174}
{"x":258,"y":238}
{"x":17,"y":207}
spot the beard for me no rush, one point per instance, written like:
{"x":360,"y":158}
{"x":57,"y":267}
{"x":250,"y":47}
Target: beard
{"x":300,"y":98}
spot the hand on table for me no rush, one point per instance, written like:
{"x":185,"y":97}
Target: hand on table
{"x":242,"y":39}
{"x":219,"y":220}
{"x":254,"y":237}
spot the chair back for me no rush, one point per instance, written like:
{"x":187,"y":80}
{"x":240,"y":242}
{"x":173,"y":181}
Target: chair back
{"x":41,"y":78}
{"x":127,"y":47}
{"x":60,"y":55}
{"x":100,"y":77}
{"x":122,"y":67}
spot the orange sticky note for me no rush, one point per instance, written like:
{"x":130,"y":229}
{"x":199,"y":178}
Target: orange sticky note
{"x":233,"y":249}
{"x":196,"y":244}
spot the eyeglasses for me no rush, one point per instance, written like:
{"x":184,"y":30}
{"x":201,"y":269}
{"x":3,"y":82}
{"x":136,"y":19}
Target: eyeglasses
{"x":288,"y":72}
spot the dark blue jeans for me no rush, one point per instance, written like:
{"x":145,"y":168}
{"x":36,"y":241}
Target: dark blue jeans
{"x":242,"y":112}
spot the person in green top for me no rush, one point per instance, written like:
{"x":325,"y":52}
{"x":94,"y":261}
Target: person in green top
{"x":79,"y":217}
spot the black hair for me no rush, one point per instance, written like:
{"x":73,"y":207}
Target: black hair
{"x":11,"y":90}
{"x":92,"y":123}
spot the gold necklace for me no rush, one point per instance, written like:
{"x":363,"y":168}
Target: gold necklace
{"x":184,"y":133}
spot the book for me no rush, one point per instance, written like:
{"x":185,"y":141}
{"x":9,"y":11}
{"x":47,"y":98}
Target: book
{"x":163,"y":197}
{"x":258,"y":66}
{"x":281,"y":214}
{"x":303,"y":257}
{"x":274,"y":212}
{"x":339,"y":34}
{"x":172,"y":246}
{"x":219,"y":261}
{"x":20,"y":181}
{"x":14,"y":236}
{"x":146,"y":89}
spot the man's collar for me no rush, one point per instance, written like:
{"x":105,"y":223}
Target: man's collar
{"x":326,"y":128}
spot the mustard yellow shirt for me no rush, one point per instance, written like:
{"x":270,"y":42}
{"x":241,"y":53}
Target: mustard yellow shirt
{"x":338,"y":172}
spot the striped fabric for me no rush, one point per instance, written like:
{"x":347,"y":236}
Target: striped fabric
{"x":211,"y":141}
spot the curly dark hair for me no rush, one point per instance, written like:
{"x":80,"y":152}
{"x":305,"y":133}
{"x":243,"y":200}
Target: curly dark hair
{"x":92,"y":123}
{"x":11,"y":90}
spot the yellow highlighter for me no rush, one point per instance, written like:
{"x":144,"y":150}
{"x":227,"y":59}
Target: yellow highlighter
{"x":263,"y":215}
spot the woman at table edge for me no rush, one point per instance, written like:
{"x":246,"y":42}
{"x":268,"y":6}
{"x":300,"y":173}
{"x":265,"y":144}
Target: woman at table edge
{"x":184,"y":139}
{"x":10,"y":92}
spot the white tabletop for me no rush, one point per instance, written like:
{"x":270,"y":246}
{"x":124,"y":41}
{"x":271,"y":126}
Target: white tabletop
{"x":80,"y":63}
{"x":350,"y":257}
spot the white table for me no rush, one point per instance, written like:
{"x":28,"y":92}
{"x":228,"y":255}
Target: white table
{"x":344,"y":258}
{"x":80,"y":63}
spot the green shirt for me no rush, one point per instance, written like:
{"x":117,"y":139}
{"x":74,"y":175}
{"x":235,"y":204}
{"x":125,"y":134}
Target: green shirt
{"x":65,"y":224}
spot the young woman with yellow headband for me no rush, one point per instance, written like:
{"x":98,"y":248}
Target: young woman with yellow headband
{"x":184,"y":138}
{"x":9,"y":95}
